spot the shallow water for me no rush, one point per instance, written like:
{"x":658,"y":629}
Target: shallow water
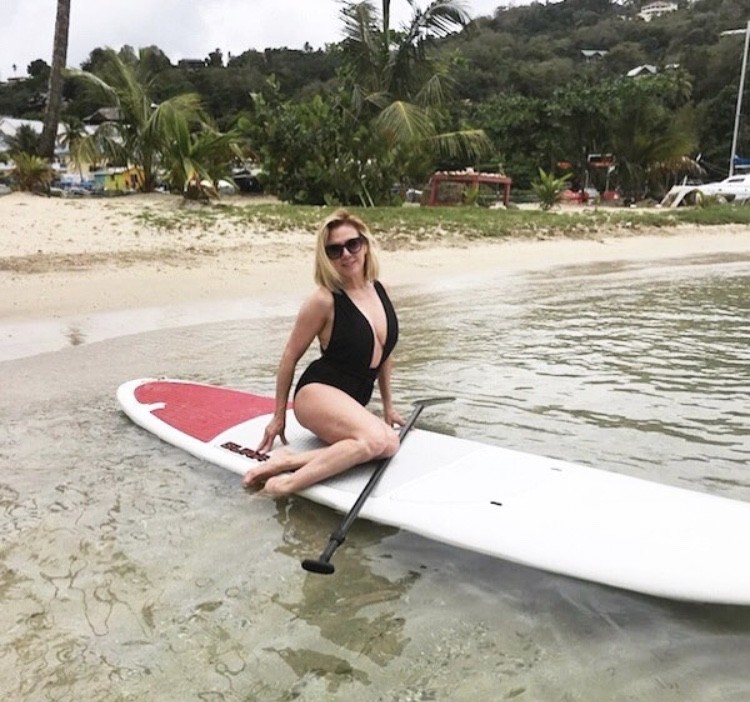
{"x":132,"y":571}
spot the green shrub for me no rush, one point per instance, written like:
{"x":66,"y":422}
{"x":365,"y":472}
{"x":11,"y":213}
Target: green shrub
{"x":31,"y":173}
{"x":549,"y":189}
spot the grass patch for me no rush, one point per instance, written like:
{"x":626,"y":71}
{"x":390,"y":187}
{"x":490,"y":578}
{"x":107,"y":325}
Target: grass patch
{"x":431,"y":223}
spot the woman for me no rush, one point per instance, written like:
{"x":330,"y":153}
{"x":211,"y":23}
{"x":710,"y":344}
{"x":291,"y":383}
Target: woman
{"x":355,"y":323}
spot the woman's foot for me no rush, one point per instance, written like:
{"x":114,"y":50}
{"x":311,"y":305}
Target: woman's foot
{"x":279,"y":485}
{"x":281,"y":461}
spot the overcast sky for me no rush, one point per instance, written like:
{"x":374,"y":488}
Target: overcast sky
{"x":181,"y":28}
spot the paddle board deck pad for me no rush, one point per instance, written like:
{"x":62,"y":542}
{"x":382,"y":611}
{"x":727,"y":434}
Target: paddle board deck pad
{"x":560,"y":517}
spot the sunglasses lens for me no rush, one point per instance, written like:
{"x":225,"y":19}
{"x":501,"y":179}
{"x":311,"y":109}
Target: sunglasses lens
{"x":335,"y":251}
{"x":353,"y":245}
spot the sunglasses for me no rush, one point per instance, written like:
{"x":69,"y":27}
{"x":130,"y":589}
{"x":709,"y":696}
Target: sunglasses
{"x":336,"y":251}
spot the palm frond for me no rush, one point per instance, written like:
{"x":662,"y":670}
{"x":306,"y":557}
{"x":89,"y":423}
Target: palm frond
{"x":403,"y":122}
{"x":94,"y":86}
{"x":470,"y":144}
{"x":363,"y":43}
{"x":434,"y":91}
{"x":380,"y":100}
{"x":438,"y":19}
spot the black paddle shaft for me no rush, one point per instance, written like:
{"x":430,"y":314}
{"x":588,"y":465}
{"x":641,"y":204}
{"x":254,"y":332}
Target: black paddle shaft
{"x":323,"y":564}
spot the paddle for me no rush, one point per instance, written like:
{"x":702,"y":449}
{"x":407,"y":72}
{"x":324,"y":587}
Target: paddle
{"x":323,"y":564}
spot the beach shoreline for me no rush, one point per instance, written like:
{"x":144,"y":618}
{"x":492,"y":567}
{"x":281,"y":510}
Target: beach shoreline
{"x":60,"y":258}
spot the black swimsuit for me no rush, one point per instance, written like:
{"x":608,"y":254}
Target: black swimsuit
{"x":345,"y":363}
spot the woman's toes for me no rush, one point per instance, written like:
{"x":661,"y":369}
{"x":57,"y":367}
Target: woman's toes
{"x":279,"y":486}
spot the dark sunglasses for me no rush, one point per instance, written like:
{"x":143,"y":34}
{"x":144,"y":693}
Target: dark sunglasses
{"x":334,"y":251}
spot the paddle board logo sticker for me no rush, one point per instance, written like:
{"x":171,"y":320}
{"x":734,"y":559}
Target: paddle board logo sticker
{"x":244,"y":451}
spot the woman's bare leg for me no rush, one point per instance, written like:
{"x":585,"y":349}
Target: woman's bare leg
{"x":353,"y":433}
{"x":282,"y":460}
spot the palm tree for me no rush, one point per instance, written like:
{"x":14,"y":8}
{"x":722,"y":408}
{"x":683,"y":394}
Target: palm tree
{"x":192,"y":157}
{"x":142,"y":132}
{"x":393,"y":78}
{"x":54,"y":94}
{"x":74,"y":131}
{"x":31,"y":172}
{"x":652,"y":143}
{"x":24,"y":141}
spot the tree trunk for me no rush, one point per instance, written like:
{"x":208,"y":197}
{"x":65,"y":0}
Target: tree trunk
{"x":54,"y":92}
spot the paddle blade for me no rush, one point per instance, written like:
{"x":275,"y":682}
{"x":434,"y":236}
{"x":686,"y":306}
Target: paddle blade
{"x":315,"y":566}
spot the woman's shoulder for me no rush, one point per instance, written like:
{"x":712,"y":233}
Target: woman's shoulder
{"x":379,"y":284}
{"x":321,"y":298}
{"x":318,"y":305}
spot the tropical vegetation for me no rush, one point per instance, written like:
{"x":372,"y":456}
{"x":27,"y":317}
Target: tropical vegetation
{"x":549,"y":189}
{"x":174,"y":137}
{"x":541,"y":86}
{"x":31,"y":173}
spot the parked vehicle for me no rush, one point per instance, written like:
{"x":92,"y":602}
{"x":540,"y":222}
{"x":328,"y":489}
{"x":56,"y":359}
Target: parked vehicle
{"x":735,"y":188}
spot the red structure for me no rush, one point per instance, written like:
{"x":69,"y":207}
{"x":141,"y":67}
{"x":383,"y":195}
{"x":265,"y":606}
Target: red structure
{"x":470,"y":179}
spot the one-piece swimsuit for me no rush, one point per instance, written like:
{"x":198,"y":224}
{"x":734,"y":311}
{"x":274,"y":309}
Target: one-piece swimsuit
{"x":345,"y":362}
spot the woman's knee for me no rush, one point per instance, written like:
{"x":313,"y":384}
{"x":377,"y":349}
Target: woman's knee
{"x":393,"y":442}
{"x":381,"y":443}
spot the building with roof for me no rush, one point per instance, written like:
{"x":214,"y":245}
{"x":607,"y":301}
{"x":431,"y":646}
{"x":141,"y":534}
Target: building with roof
{"x":593,"y":54}
{"x":9,"y":127}
{"x":656,"y":9}
{"x":646,"y":69}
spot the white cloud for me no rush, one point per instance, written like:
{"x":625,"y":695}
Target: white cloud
{"x":181,"y":28}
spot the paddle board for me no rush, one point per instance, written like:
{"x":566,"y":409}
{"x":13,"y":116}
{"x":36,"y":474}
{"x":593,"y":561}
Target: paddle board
{"x":553,"y":515}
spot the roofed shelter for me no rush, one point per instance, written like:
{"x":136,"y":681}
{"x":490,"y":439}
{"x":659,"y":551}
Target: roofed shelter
{"x":447,"y":187}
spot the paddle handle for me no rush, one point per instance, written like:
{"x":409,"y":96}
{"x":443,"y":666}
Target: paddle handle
{"x":323,"y":564}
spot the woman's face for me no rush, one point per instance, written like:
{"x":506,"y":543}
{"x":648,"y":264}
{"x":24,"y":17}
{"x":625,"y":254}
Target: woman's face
{"x":346,"y":249}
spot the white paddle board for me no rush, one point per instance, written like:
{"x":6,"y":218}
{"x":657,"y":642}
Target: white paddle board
{"x":548,"y":514}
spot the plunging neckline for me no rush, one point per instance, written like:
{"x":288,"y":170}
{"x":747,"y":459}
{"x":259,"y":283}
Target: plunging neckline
{"x":373,"y":332}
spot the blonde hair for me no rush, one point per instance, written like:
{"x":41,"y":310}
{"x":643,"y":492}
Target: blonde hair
{"x":325,"y":272}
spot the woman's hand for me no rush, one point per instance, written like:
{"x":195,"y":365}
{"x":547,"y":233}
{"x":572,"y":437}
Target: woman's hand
{"x":276,"y":427}
{"x":392,"y":418}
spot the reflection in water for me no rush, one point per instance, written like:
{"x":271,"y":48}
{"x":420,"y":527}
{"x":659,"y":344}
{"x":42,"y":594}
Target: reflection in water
{"x":346,"y":607}
{"x":75,"y":335}
{"x":131,"y":571}
{"x":309,"y":664}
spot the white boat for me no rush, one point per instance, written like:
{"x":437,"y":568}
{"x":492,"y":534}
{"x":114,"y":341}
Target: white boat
{"x":736,"y":188}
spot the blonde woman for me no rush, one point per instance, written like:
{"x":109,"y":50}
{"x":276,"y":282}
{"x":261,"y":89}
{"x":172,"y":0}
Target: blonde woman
{"x":353,"y":319}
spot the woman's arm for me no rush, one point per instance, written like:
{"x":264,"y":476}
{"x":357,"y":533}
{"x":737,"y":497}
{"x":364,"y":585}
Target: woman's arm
{"x":390,"y":415}
{"x":311,"y":319}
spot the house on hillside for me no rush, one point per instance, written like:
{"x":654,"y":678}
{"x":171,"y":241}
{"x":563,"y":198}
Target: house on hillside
{"x":593,"y":54}
{"x":656,"y":9}
{"x":191,"y":64}
{"x":16,"y":79}
{"x":646,"y":69}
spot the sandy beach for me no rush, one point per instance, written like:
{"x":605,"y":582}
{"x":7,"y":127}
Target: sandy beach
{"x":63,"y":257}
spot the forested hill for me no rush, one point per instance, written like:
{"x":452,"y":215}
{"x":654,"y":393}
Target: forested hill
{"x":532,"y":50}
{"x":522,"y":75}
{"x":536,"y":51}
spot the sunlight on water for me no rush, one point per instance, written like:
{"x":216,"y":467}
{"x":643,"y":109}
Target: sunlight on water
{"x":131,"y":571}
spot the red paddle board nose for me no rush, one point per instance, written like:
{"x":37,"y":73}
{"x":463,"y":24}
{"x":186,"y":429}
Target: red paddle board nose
{"x":201,"y":411}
